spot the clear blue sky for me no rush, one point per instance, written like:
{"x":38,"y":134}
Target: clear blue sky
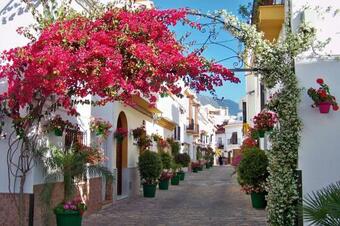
{"x":228,"y":90}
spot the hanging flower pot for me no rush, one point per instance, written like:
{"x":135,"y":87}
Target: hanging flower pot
{"x":261,"y":133}
{"x":322,"y":97}
{"x":58,"y":132}
{"x":324,"y":107}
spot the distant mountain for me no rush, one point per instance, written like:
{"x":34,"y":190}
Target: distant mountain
{"x":232,"y":105}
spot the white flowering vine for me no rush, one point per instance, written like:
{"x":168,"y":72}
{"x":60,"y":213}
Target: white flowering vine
{"x":275,"y":62}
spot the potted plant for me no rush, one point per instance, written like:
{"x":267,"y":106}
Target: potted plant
{"x":195,"y":166}
{"x":58,"y":125}
{"x":150,"y":168}
{"x":120,"y":133}
{"x":100,"y":127}
{"x":175,"y":178}
{"x":166,"y":174}
{"x":265,"y":121}
{"x":252,"y":174}
{"x":322,"y":97}
{"x":164,"y":180}
{"x":138,"y":132}
{"x":182,"y":160}
{"x":72,"y":165}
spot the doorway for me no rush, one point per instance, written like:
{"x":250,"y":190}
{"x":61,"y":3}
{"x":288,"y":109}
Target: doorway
{"x":121,"y":154}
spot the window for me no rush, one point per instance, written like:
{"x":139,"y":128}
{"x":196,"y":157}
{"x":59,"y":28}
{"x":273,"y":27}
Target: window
{"x":177,"y":133}
{"x":233,"y":139}
{"x":219,"y":140}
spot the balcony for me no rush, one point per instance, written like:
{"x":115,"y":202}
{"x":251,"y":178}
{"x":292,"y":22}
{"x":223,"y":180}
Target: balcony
{"x":269,"y":17}
{"x":234,"y":141}
{"x":193,"y":128}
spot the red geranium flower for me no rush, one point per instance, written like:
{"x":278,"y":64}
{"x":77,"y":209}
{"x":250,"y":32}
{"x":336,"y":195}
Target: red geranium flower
{"x":335,"y":107}
{"x":319,"y":81}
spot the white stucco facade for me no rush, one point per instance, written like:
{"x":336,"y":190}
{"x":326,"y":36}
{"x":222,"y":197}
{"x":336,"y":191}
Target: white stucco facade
{"x":319,"y":152}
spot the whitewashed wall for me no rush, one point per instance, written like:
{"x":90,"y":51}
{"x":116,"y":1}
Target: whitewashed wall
{"x":319,"y":152}
{"x":229,"y":130}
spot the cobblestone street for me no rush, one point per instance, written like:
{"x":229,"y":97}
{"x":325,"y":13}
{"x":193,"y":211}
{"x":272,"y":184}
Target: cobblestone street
{"x":210,"y":197}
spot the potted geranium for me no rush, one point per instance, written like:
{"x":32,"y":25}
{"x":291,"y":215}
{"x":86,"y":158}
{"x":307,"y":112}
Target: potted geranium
{"x":322,"y":97}
{"x":72,"y":165}
{"x":120,"y":133}
{"x":252,"y":174}
{"x":150,"y":168}
{"x":166,"y":174}
{"x":183,"y":160}
{"x":100,"y":127}
{"x":265,"y":121}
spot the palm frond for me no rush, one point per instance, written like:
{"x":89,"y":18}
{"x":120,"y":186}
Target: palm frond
{"x":323,"y":207}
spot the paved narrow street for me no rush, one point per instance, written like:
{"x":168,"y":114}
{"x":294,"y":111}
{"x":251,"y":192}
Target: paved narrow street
{"x":210,"y":197}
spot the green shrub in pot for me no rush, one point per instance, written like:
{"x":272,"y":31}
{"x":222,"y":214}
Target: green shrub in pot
{"x":252,"y":175}
{"x":150,"y":168}
{"x":182,"y":159}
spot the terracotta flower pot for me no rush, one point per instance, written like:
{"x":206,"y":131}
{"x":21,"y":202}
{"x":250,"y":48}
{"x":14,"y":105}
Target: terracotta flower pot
{"x":324,"y":107}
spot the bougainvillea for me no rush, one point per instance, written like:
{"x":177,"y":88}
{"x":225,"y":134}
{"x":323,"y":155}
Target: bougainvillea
{"x":114,"y":56}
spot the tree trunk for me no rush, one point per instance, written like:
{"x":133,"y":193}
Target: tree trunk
{"x":22,"y":208}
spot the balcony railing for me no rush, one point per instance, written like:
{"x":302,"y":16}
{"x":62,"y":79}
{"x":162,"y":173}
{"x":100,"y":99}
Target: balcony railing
{"x":193,"y":128}
{"x":234,"y":142}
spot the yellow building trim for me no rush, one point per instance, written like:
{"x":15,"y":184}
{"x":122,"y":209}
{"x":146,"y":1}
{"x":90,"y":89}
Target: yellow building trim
{"x":166,"y":123}
{"x":270,"y":20}
{"x":144,"y":106}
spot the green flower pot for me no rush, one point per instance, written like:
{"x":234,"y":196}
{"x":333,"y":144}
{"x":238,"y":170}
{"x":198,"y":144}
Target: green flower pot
{"x":69,"y":219}
{"x":58,"y":132}
{"x":149,"y":190}
{"x":207,"y":165}
{"x":181,"y":175}
{"x":258,"y":200}
{"x":195,"y":170}
{"x":200,"y":168}
{"x":175,"y":180}
{"x":261,"y":133}
{"x":163,"y":185}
